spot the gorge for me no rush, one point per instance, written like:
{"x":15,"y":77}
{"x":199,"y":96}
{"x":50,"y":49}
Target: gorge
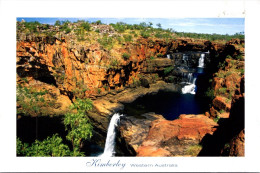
{"x":179,"y":96}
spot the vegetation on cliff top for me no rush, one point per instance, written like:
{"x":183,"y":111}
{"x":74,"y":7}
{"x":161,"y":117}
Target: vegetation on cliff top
{"x":118,"y":32}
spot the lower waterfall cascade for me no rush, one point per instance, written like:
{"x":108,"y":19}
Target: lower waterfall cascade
{"x":201,"y":60}
{"x":109,"y":150}
{"x":191,"y":87}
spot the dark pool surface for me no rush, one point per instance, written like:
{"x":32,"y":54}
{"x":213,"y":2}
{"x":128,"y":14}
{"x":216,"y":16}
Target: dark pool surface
{"x":168,"y":104}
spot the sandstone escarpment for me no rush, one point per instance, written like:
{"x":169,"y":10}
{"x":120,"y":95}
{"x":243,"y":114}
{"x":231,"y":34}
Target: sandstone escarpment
{"x":112,"y":74}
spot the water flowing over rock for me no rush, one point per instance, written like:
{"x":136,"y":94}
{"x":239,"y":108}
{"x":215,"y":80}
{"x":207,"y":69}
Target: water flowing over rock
{"x":190,"y":88}
{"x":109,"y":150}
{"x":201,"y":60}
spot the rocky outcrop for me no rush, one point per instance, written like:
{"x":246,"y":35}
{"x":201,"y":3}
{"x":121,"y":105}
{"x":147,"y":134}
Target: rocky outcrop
{"x":237,"y":145}
{"x":179,"y":137}
{"x":228,"y":139}
{"x":133,"y":130}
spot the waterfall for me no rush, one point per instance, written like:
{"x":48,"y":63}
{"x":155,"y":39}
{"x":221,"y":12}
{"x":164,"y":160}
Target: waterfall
{"x":168,"y":56}
{"x":191,"y":87}
{"x":190,"y":77}
{"x":185,"y":59}
{"x":109,"y":150}
{"x":201,"y":60}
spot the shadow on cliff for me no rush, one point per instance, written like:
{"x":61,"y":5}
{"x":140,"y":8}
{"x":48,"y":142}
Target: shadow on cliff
{"x":214,"y":145}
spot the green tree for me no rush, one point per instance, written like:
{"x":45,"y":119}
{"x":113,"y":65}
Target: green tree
{"x":57,"y":23}
{"x":78,"y":125}
{"x":86,"y":26}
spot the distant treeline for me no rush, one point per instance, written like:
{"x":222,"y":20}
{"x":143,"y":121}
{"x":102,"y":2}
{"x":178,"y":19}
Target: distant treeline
{"x":146,"y":30}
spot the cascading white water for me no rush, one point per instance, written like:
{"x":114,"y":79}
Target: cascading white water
{"x":109,"y":150}
{"x":168,"y":56}
{"x":190,"y":88}
{"x":201,"y":60}
{"x":190,"y":78}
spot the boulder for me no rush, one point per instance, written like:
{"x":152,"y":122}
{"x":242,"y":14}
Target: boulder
{"x":221,"y":103}
{"x":177,"y":137}
{"x":134,"y":129}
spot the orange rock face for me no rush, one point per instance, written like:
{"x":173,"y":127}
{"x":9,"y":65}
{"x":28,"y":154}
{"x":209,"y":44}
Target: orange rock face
{"x":165,"y":136}
{"x":238,"y":145}
{"x":221,"y":103}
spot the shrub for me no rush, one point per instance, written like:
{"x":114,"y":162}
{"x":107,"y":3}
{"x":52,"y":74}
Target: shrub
{"x":105,"y":87}
{"x":145,"y":34}
{"x":98,"y":22}
{"x":242,"y":71}
{"x":126,"y":56}
{"x":167,"y":70}
{"x":229,"y":57}
{"x":193,"y":150}
{"x":220,"y":74}
{"x":221,"y":65}
{"x":52,"y":146}
{"x":216,"y":119}
{"x":80,"y":34}
{"x":210,"y":93}
{"x":86,"y":26}
{"x":151,"y":57}
{"x":239,"y":57}
{"x":221,"y":111}
{"x":80,"y":90}
{"x":222,"y":90}
{"x":128,"y":38}
{"x":159,"y":55}
{"x":98,"y":90}
{"x":32,"y":102}
{"x":114,"y":63}
{"x":106,"y":42}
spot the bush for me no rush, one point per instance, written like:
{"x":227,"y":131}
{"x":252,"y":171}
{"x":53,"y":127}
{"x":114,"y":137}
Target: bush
{"x":128,"y":38}
{"x":106,"y":42}
{"x":32,"y":26}
{"x":210,"y":93}
{"x":159,"y":55}
{"x":221,"y":111}
{"x":221,"y":74}
{"x":86,"y":26}
{"x":52,"y":146}
{"x":242,"y":71}
{"x":222,"y":90}
{"x":167,"y":70}
{"x":194,"y":150}
{"x":145,"y":34}
{"x":239,"y":57}
{"x":114,"y":63}
{"x":126,"y":56}
{"x":32,"y":102}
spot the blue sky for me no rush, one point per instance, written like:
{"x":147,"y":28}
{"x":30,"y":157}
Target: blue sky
{"x":199,"y":25}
